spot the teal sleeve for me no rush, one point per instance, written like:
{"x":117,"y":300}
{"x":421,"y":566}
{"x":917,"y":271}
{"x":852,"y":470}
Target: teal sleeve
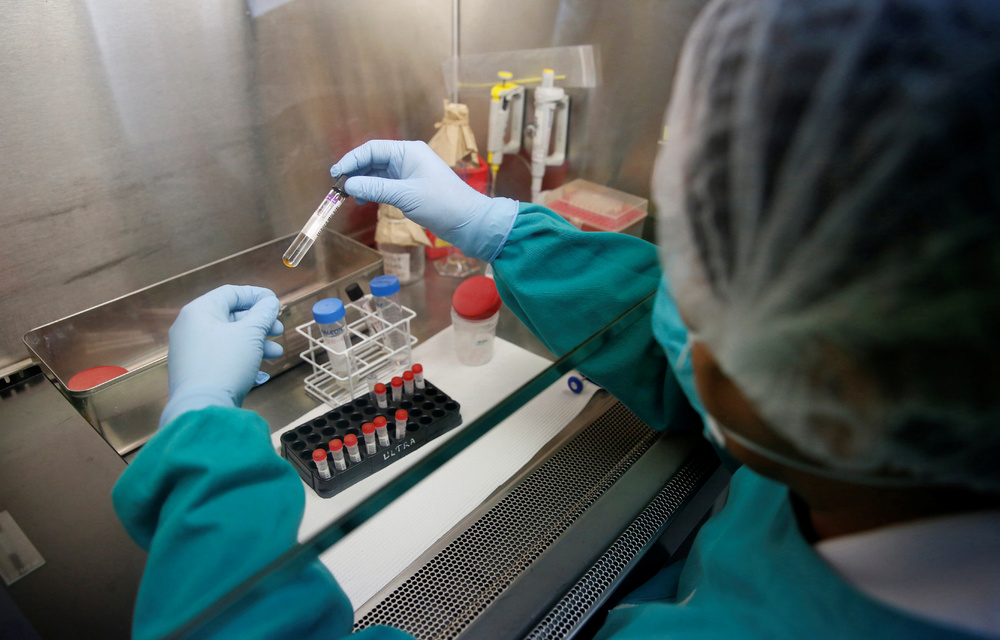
{"x":566,"y":284}
{"x":212,"y":503}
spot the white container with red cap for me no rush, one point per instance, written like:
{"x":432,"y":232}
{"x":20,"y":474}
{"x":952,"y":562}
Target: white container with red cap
{"x":475,"y":308}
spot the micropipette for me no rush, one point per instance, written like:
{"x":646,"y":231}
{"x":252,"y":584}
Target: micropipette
{"x":304,"y":241}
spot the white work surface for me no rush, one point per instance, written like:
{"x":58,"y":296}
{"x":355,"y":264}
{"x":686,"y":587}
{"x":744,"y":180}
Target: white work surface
{"x":421,"y":516}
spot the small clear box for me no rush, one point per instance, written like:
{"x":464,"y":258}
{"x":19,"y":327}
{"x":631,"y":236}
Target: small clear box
{"x":593,"y":207}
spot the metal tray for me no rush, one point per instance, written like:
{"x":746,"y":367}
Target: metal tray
{"x":132,"y":331}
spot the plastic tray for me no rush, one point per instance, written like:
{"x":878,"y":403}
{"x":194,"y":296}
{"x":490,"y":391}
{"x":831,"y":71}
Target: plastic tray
{"x":594,"y":207}
{"x":432,"y":412}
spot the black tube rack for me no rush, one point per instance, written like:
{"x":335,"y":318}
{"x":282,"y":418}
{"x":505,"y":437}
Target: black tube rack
{"x":431,"y":411}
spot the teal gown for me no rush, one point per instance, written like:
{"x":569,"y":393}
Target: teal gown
{"x":212,"y":503}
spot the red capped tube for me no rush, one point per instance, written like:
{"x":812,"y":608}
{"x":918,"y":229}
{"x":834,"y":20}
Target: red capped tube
{"x":351,"y":442}
{"x":382,"y":430}
{"x":418,"y":376}
{"x":368,"y":430}
{"x":401,"y":417}
{"x":337,"y":451}
{"x":397,"y":389}
{"x":380,"y":398}
{"x":408,"y":383}
{"x":322,"y":466}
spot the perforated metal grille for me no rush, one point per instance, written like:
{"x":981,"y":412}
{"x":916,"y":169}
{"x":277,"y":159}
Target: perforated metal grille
{"x":447,"y":593}
{"x":590,"y":590}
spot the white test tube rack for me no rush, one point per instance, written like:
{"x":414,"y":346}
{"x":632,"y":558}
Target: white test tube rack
{"x":368,"y":353}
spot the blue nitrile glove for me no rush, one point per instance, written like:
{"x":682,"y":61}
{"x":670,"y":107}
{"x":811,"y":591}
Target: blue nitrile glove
{"x":412,"y":178}
{"x":216,"y":345}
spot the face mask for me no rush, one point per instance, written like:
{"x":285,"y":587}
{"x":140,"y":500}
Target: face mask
{"x":684,"y":357}
{"x":720,"y":433}
{"x":713,"y":431}
{"x":676,"y":341}
{"x":669,"y":331}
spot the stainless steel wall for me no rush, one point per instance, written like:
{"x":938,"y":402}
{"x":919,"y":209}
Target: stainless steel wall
{"x":141,"y":139}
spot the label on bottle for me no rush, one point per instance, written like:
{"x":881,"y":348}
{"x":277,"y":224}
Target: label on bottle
{"x":397,"y":264}
{"x":336,"y":339}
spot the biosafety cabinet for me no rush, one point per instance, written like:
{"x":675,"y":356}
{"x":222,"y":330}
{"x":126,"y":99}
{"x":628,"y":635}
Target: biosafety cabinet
{"x":154,"y":150}
{"x":529,"y":519}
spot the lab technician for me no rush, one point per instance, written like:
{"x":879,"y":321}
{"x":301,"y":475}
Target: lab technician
{"x":829,"y":219}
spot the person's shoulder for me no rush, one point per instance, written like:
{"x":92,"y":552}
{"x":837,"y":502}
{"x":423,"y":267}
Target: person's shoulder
{"x":755,"y":498}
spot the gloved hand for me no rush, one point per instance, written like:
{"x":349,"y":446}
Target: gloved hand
{"x":412,"y":178}
{"x":216,"y":345}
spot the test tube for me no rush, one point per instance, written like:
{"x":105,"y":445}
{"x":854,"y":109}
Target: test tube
{"x":337,"y":450}
{"x":372,"y":380}
{"x":401,"y":417}
{"x":368,"y":429}
{"x":380,"y":396}
{"x":319,"y":457}
{"x":382,"y":430}
{"x":351,"y":442}
{"x":418,"y":375}
{"x":397,"y":389}
{"x":408,"y":383}
{"x":304,"y":241}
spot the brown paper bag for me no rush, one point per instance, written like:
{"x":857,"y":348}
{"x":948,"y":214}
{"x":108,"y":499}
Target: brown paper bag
{"x":394,"y":228}
{"x":454,"y":140}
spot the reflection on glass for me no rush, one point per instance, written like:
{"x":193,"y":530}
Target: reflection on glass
{"x":287,"y":567}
